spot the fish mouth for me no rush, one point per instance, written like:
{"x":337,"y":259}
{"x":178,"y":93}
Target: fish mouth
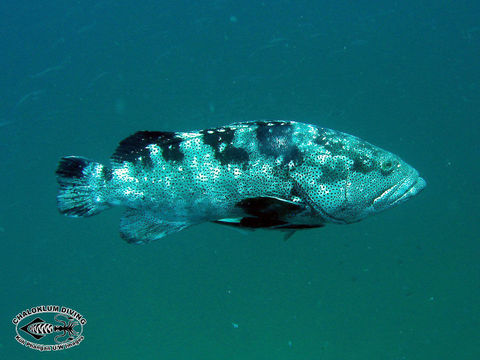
{"x":410,"y":186}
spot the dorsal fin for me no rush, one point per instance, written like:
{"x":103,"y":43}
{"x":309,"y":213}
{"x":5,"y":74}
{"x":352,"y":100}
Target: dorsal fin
{"x":135,"y":147}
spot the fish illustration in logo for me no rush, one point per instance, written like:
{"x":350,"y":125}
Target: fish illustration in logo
{"x":38,"y":328}
{"x":282,"y":175}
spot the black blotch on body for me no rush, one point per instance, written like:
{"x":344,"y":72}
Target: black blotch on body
{"x":223,"y":138}
{"x":234,"y":155}
{"x":169,"y":142}
{"x":107,"y":173}
{"x":215,"y":137}
{"x":134,"y":148}
{"x":296,"y":190}
{"x":294,"y":154}
{"x":365,"y":159}
{"x":276,"y":139}
{"x":362,"y":162}
{"x":72,"y":167}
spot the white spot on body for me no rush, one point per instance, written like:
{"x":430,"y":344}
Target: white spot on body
{"x":194,"y":162}
{"x":129,"y":192}
{"x":216,"y":173}
{"x":322,"y":159}
{"x":154,"y":149}
{"x":188,"y":136}
{"x":124,"y":174}
{"x":201,"y":177}
{"x":193,"y":143}
{"x":266,"y":169}
{"x":311,"y":181}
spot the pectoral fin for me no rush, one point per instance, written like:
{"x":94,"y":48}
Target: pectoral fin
{"x":268,"y":213}
{"x":269,"y":207}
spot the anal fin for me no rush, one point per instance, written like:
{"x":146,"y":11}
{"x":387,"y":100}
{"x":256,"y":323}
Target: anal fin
{"x":139,"y":226}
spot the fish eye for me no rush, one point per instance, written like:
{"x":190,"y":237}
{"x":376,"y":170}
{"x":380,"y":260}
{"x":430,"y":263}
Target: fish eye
{"x":387,"y":166}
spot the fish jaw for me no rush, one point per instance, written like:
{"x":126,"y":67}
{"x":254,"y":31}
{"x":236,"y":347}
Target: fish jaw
{"x":401,"y":192}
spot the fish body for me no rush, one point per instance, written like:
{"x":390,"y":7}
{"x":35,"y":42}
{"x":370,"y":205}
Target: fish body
{"x":281,"y":175}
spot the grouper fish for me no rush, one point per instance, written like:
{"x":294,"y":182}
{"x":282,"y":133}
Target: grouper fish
{"x":281,"y":175}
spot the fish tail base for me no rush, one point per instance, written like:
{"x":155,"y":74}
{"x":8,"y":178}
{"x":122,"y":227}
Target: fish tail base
{"x":83,"y":185}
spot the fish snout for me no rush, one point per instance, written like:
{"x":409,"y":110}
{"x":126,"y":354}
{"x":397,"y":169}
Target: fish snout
{"x":408,"y":187}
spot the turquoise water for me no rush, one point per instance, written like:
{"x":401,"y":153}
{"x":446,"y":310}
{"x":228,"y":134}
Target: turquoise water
{"x":77,"y":77}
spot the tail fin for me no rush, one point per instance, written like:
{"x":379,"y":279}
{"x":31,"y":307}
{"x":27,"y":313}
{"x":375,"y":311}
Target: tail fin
{"x":83,"y":191}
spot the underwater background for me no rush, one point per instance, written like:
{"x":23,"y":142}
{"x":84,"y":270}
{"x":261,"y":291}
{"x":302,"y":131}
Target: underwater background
{"x":76,"y":77}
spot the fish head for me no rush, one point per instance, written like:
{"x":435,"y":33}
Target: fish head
{"x":349,"y":179}
{"x":385,"y":182}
